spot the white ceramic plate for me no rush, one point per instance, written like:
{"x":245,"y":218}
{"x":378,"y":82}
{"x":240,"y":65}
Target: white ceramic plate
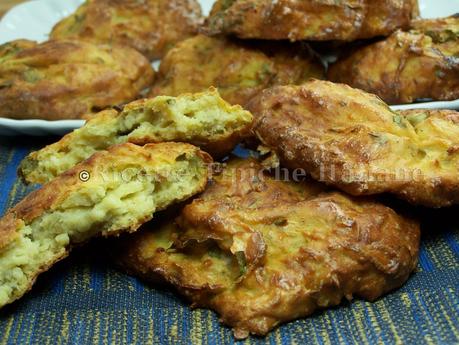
{"x":34,"y":20}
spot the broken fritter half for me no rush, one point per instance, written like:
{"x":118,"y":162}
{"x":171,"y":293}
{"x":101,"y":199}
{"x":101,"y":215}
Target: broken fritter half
{"x":408,"y":66}
{"x":261,"y":251}
{"x":114,"y":191}
{"x":237,"y":68}
{"x":352,"y":140}
{"x":203,"y":119}
{"x":341,"y":20}
{"x":68,"y":79}
{"x":150,"y":26}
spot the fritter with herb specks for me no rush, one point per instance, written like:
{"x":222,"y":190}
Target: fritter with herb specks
{"x":150,"y":26}
{"x":407,"y":66}
{"x":68,"y":79}
{"x":237,"y":68}
{"x":114,"y":191}
{"x":313,"y":20}
{"x":352,"y":140}
{"x":203,"y":119}
{"x":261,"y":251}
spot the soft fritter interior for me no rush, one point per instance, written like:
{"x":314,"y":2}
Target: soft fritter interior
{"x":200,"y":118}
{"x":114,"y":204}
{"x":196,"y":119}
{"x":201,"y":264}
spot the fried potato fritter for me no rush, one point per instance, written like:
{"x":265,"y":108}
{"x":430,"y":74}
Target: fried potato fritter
{"x":150,"y":26}
{"x":354,"y":141}
{"x":67,"y":79}
{"x":238,"y":69}
{"x":314,"y":20}
{"x":407,"y":66}
{"x":260,"y":251}
{"x":113,"y":191}
{"x":203,"y":119}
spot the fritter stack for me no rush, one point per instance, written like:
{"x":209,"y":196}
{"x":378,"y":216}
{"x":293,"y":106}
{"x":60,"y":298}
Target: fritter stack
{"x":262,"y":240}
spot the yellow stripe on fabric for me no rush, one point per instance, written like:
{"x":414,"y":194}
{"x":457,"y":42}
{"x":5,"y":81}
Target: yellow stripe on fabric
{"x":324,"y":333}
{"x":278,"y":336}
{"x":441,"y":254}
{"x":215,"y":328}
{"x":446,"y":316}
{"x":425,"y":314}
{"x":104,"y":329}
{"x":150,"y":329}
{"x":406,"y":300}
{"x":431,"y":299}
{"x":125,"y":328}
{"x":335,"y":330}
{"x":86,"y":277}
{"x":374,"y":320}
{"x":381,"y":305}
{"x":64,"y":332}
{"x":19,"y":328}
{"x":135,"y":330}
{"x":359,"y":316}
{"x":6,"y":335}
{"x":196,"y":327}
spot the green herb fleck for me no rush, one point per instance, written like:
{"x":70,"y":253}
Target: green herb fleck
{"x":225,"y":4}
{"x":439,"y":74}
{"x":398,"y":119}
{"x":381,"y":139}
{"x":241,"y":260}
{"x":181,"y":158}
{"x":416,"y":119}
{"x":32,"y":76}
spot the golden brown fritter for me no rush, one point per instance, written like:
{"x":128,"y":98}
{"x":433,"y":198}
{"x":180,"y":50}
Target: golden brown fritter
{"x":113,"y":191}
{"x":150,"y":26}
{"x":352,"y":140}
{"x":261,"y":252}
{"x":238,"y":69}
{"x":67,"y":79}
{"x":203,"y":119}
{"x":314,"y":20}
{"x":407,"y":66}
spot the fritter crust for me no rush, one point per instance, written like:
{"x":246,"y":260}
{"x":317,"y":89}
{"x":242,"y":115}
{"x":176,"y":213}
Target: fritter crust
{"x":203,"y":119}
{"x":237,"y":68}
{"x":261,"y":252}
{"x":314,"y":20}
{"x":113,"y":191}
{"x":67,"y":79}
{"x":407,"y":66}
{"x":150,"y":26}
{"x":353,"y":141}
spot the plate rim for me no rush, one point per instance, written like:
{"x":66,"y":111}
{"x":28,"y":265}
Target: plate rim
{"x":29,"y":125}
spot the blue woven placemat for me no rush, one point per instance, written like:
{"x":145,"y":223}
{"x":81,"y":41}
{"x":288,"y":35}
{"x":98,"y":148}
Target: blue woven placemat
{"x":85,"y":300}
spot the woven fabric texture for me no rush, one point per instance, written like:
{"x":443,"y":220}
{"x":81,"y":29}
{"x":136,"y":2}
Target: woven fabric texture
{"x":86,"y":300}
